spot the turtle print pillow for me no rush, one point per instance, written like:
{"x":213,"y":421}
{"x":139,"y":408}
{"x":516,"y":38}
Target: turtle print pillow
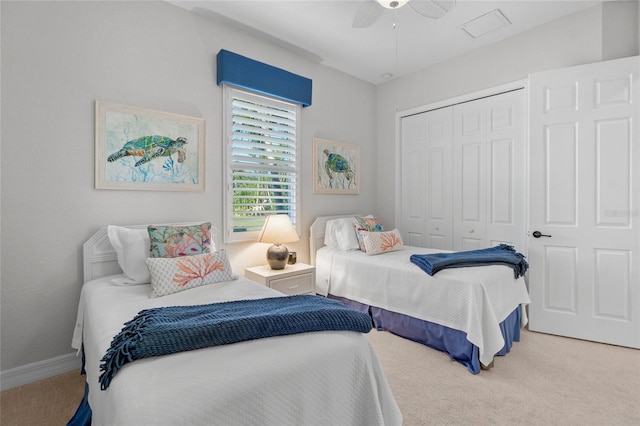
{"x":171,"y":275}
{"x":366,"y":223}
{"x":177,"y":241}
{"x":381,"y":242}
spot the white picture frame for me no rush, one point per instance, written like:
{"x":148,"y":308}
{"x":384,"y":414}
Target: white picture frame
{"x":142,"y":149}
{"x":336,"y":167}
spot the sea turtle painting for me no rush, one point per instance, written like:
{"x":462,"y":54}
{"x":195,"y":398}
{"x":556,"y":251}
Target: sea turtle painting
{"x":336,"y":163}
{"x":150,"y":147}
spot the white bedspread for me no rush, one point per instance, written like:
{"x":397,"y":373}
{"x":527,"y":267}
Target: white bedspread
{"x":319,"y":378}
{"x":474,"y":300}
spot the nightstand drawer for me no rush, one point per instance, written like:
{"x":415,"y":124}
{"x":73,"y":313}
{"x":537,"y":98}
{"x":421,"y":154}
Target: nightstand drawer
{"x":294,"y":279}
{"x":299,"y":284}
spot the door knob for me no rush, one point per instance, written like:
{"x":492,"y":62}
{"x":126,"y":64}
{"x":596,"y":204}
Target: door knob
{"x":538,"y":234}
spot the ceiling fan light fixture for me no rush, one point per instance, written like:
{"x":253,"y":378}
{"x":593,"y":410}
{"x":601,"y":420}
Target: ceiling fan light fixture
{"x":394,"y":4}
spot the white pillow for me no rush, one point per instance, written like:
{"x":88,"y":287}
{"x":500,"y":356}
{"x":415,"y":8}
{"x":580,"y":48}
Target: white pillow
{"x":173,"y":274}
{"x":132,"y":247}
{"x":381,"y":242}
{"x":340,"y":234}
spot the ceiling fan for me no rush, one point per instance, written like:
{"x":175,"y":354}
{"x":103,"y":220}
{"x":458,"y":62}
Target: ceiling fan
{"x":370,"y":10}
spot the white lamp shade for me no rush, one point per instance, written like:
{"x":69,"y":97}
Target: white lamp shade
{"x":278,"y":229}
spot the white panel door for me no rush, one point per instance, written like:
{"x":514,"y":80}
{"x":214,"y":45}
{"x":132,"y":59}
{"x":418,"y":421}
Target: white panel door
{"x":584,"y":257}
{"x":506,"y":170}
{"x":426,"y":179}
{"x":489,"y":169}
{"x":469,"y":171}
{"x":413,"y":154}
{"x":439,"y":223}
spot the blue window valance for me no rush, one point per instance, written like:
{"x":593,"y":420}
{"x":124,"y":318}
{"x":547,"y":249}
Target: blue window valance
{"x":244,"y":72}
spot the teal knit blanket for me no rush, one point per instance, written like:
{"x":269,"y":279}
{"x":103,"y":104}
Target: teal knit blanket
{"x":166,"y":330}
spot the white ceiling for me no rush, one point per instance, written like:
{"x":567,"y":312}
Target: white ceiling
{"x":322,"y":30}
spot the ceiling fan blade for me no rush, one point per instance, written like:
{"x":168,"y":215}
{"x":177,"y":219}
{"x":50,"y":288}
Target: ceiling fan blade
{"x":366,"y":14}
{"x":432,"y":8}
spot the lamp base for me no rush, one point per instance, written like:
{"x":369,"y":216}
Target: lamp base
{"x":277,"y":256}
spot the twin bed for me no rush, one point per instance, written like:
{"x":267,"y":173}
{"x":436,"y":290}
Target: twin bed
{"x":472,"y":314}
{"x":319,"y":377}
{"x":322,"y":377}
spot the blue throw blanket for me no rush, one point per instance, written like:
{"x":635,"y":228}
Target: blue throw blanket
{"x":500,"y":255}
{"x":167,"y":330}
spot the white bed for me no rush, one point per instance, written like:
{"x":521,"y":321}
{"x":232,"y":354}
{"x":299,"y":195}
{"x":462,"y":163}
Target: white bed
{"x":328,"y":377}
{"x":474,"y":301}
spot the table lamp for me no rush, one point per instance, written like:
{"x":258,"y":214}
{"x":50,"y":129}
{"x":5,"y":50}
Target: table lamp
{"x":278,"y":229}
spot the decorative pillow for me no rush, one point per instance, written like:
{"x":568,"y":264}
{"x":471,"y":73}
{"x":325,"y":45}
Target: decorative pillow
{"x":132,"y":247}
{"x":171,"y":275}
{"x":381,"y":242}
{"x":340,"y":234}
{"x":366,"y":223}
{"x":176,"y":241}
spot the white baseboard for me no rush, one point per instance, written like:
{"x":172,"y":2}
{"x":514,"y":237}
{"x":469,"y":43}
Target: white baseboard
{"x":30,"y":373}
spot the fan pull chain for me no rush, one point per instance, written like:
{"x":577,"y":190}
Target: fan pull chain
{"x":395,"y":30}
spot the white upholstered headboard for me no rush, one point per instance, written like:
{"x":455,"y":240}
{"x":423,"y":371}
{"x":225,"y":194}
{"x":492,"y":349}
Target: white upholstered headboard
{"x":99,"y":259}
{"x":316,"y":234}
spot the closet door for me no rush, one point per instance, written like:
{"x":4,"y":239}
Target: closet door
{"x":413,"y":157}
{"x":506,"y":163}
{"x":426,"y":219}
{"x":469,"y":171}
{"x":489,"y":172}
{"x":439,"y":203}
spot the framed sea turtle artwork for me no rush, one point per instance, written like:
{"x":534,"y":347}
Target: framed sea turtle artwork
{"x":336,"y":167}
{"x":142,"y":149}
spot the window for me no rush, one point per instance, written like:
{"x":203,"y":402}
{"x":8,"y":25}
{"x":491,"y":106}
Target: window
{"x":261,"y":162}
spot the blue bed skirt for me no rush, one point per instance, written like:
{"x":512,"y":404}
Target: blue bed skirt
{"x":452,"y":342}
{"x":82,"y":417}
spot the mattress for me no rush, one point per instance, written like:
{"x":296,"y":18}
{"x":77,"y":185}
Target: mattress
{"x":473,"y":300}
{"x":328,"y":377}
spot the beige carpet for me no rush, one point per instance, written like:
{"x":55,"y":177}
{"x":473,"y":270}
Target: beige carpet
{"x":47,"y":402}
{"x":545,"y":380}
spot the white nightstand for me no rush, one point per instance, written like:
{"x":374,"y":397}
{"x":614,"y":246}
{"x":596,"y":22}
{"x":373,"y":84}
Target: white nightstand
{"x":298,"y":278}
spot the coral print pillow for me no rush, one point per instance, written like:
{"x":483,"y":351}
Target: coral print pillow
{"x":176,"y":241}
{"x":171,"y":275}
{"x":381,"y":242}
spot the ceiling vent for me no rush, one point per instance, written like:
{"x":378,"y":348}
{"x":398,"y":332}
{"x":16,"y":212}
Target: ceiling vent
{"x":486,"y":23}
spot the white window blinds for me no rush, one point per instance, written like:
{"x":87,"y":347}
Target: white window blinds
{"x":261,"y":162}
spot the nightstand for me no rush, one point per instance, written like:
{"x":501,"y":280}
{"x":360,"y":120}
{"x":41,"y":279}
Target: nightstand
{"x":298,"y":278}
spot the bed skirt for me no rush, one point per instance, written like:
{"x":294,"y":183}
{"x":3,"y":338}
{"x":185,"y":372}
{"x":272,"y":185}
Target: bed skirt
{"x":82,"y":416}
{"x":452,"y":342}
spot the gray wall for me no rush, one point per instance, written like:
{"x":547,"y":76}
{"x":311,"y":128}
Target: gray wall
{"x":57,"y":59}
{"x":603,"y":32}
